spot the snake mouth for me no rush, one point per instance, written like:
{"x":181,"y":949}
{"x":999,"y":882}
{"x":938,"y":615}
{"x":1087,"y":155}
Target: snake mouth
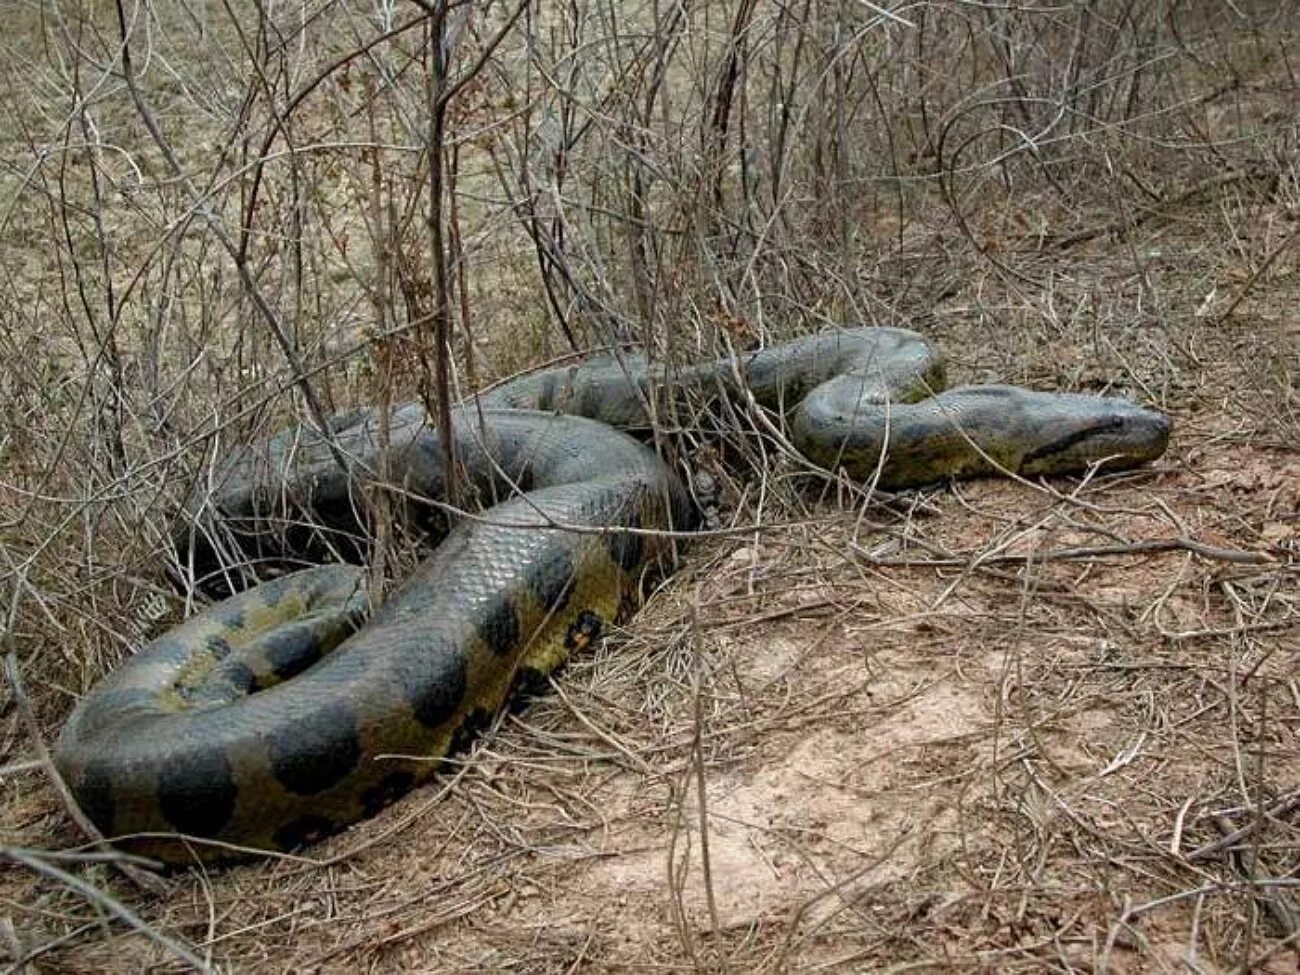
{"x":1139,"y":435}
{"x":1156,"y":428}
{"x":1124,"y":436}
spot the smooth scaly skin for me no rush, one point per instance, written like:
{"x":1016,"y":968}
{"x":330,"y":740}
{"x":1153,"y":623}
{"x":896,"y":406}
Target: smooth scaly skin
{"x":265,"y":722}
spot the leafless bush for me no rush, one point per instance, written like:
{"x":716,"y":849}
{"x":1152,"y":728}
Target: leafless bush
{"x":219,"y":216}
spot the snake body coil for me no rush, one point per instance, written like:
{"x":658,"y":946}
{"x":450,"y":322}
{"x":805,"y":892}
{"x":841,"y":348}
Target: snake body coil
{"x":282,"y":714}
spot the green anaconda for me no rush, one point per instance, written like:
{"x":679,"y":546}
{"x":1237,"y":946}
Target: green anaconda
{"x":287,"y":711}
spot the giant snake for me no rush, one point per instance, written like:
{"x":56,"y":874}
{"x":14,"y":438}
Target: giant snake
{"x":287,"y":711}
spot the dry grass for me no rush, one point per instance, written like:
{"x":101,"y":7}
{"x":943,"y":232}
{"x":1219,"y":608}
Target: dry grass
{"x":997,"y":727}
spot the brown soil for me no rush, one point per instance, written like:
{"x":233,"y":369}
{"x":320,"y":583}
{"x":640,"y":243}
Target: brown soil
{"x":996,"y":727}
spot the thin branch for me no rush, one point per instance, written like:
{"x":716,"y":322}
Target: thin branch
{"x":34,"y":861}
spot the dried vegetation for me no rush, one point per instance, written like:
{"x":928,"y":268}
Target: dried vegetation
{"x":993,"y":727}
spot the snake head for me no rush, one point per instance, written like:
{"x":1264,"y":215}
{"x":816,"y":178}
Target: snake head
{"x":1082,"y":431}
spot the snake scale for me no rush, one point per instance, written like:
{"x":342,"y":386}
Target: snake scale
{"x":287,"y":711}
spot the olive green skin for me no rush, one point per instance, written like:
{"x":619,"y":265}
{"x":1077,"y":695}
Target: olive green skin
{"x":282,"y":714}
{"x":871,"y":402}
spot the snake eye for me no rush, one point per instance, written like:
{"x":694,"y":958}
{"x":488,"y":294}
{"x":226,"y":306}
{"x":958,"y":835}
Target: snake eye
{"x":1113,"y":423}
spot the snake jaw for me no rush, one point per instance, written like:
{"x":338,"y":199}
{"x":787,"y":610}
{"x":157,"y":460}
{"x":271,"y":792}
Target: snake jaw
{"x":1147,"y":434}
{"x":1113,"y":434}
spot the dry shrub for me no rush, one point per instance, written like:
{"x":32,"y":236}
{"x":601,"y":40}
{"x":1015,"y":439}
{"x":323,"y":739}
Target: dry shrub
{"x":1003,"y":727}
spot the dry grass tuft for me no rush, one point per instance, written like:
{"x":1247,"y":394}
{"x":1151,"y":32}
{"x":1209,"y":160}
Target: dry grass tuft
{"x":997,"y":727}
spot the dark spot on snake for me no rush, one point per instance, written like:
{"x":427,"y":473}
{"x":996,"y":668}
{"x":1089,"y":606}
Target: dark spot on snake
{"x":390,"y":788}
{"x":474,"y":724}
{"x":218,"y":646}
{"x":584,"y":632}
{"x":196,"y":792}
{"x":530,"y":683}
{"x":546,"y":390}
{"x":551,"y":579}
{"x":587,"y":401}
{"x":233,"y":618}
{"x":500,"y":626}
{"x":434,"y":683}
{"x":94,"y":790}
{"x":241,"y":678}
{"x":627,"y":549}
{"x":429,"y":524}
{"x":304,"y":830}
{"x":346,"y":419}
{"x":291,"y":651}
{"x":524,"y":480}
{"x":313,"y":752}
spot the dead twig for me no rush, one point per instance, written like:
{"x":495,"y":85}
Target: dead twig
{"x":1144,"y":547}
{"x":34,"y":861}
